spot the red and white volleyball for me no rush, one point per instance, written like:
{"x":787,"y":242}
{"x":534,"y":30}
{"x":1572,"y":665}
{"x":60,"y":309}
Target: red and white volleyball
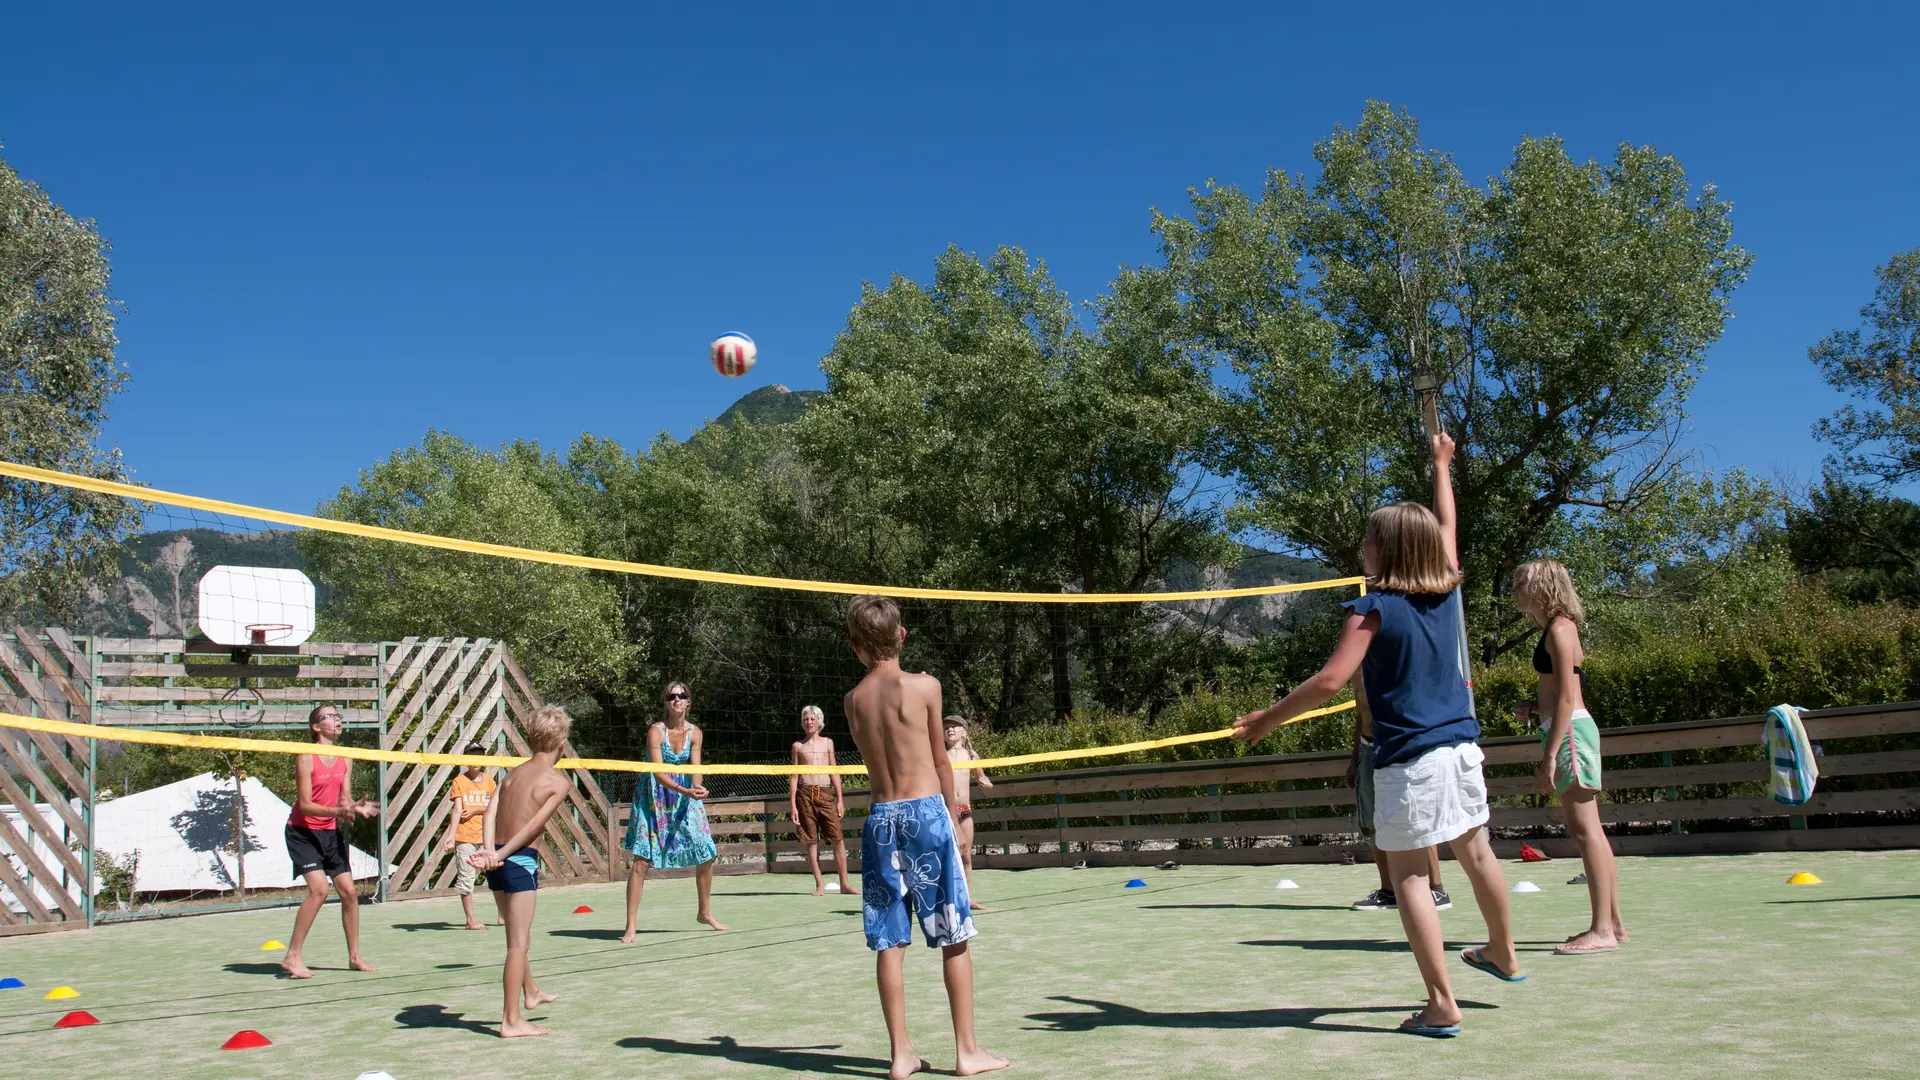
{"x":733,"y":354}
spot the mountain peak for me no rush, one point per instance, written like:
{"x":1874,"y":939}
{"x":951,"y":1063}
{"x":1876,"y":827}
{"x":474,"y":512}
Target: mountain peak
{"x":771,"y":404}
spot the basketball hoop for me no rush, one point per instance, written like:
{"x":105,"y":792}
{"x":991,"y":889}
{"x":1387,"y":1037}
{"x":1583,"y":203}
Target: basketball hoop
{"x":258,"y":633}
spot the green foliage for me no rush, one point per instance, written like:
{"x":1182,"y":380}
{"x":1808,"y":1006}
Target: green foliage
{"x":1567,"y":307}
{"x":562,"y":623}
{"x":57,"y":373}
{"x":1863,"y":544}
{"x":1879,"y":363}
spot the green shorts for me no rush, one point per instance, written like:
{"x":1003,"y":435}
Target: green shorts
{"x":1578,"y":763}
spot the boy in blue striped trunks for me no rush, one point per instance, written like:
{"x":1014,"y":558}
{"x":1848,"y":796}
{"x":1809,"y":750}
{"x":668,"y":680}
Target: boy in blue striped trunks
{"x":910,"y":865}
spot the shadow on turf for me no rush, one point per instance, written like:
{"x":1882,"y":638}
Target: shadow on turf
{"x":1847,"y":899}
{"x":419,"y":1017}
{"x":1110,"y":1014}
{"x":413,"y":927}
{"x":602,"y":934}
{"x":1248,"y":907}
{"x":806,"y":1059}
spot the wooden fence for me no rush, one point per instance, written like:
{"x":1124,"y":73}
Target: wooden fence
{"x":434,"y":695}
{"x":1297,"y":807}
{"x":441,"y":694}
{"x":47,"y":783}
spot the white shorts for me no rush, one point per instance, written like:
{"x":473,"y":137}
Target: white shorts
{"x":1430,"y":800}
{"x":465,"y":871}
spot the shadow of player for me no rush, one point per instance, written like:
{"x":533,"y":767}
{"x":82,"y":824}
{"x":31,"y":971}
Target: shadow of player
{"x":415,"y":927}
{"x":419,"y":1017}
{"x":602,"y":934}
{"x":254,"y":969}
{"x":1109,"y":1014}
{"x":804,"y":1059}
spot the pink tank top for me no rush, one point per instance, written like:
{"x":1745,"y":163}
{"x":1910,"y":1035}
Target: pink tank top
{"x":327,"y":780}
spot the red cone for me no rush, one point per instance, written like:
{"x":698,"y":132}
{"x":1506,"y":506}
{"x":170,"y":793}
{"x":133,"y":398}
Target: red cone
{"x":76,"y":1019}
{"x":583,"y":910}
{"x":1529,"y":853}
{"x":246,"y":1040}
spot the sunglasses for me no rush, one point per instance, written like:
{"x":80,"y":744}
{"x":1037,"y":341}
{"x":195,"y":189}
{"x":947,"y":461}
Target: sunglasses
{"x":679,"y":695}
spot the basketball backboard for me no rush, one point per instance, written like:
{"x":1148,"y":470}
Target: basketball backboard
{"x":256,"y":605}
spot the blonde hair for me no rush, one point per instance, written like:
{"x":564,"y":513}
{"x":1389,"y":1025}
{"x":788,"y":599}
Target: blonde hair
{"x":1548,"y":582}
{"x":547,"y":731}
{"x":966,"y":739}
{"x":813,"y":711}
{"x":873,"y":626}
{"x":1409,"y":551}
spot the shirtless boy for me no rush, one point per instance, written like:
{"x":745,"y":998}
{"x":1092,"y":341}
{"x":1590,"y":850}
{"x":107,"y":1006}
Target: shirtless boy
{"x":816,"y":810}
{"x":528,"y":796}
{"x":895,"y":720}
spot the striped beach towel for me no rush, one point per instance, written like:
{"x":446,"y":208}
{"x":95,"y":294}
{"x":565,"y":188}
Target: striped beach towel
{"x":1790,"y":763}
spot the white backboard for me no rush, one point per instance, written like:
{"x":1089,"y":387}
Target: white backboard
{"x":235,"y":597}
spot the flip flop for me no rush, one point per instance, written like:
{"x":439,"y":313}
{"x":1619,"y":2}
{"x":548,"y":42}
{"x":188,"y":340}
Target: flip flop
{"x":1473,"y":959}
{"x":1431,"y":1031}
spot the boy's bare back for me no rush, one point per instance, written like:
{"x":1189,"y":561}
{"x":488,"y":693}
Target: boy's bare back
{"x":895,"y":720}
{"x":525,"y":788}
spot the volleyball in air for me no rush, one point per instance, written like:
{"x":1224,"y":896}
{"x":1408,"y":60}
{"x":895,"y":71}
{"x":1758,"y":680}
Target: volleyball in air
{"x":733,"y":354}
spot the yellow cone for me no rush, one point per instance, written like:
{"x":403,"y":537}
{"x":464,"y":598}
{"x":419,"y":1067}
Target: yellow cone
{"x":272,"y":945}
{"x":61,"y":993}
{"x":1803,"y":878}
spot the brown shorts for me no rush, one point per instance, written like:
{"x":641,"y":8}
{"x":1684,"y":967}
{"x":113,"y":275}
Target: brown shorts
{"x":817,"y":814}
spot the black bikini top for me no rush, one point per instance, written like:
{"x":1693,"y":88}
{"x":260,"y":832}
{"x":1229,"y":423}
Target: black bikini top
{"x":1543,"y":660}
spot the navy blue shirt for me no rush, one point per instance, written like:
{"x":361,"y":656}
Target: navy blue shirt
{"x":1415,"y":689}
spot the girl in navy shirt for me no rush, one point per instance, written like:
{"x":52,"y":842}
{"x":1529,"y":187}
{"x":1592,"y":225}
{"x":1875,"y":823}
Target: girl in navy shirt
{"x":1403,"y":637}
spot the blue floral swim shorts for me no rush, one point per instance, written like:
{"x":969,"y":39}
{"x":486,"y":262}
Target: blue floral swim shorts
{"x":910,"y":866}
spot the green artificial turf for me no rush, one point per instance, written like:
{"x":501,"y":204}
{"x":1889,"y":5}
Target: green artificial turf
{"x":1206,"y":972}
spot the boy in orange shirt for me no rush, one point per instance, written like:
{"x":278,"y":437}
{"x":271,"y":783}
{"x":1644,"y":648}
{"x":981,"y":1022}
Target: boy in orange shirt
{"x":472,"y":792}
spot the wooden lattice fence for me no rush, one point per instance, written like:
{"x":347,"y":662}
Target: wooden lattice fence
{"x":47,"y":782}
{"x":441,"y":694}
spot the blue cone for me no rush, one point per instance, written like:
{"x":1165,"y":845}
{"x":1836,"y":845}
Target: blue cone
{"x":1136,"y":883}
{"x":11,"y":983}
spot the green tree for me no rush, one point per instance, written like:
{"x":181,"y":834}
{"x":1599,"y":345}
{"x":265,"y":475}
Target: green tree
{"x":561,"y":623}
{"x":1879,"y":362}
{"x":1864,"y":543}
{"x":57,"y":373}
{"x":1565,"y":307}
{"x":975,"y":435}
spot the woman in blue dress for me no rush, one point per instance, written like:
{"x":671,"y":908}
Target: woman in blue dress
{"x":668,"y":825}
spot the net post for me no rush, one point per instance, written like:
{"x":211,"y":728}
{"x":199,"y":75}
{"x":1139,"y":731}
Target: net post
{"x":93,"y":779}
{"x":380,"y":769}
{"x":1060,"y":823}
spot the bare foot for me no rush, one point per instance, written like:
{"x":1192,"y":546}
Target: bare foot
{"x":295,"y":969}
{"x":540,"y":997}
{"x":711,"y":921}
{"x":975,"y":905}
{"x":1589,"y":942}
{"x":476,"y":926}
{"x":354,"y":963}
{"x":978,"y":1062}
{"x":907,"y":1066}
{"x":819,"y":889}
{"x":630,"y":935}
{"x":1621,"y":936}
{"x":845,"y":889}
{"x":522,"y":1030}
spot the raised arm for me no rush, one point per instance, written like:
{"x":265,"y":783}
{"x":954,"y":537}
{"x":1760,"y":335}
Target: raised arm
{"x":1443,"y":508}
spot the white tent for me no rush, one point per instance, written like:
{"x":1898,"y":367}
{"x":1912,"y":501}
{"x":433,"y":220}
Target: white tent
{"x":184,"y":834}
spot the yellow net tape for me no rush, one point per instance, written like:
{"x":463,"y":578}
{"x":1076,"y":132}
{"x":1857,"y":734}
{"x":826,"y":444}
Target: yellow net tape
{"x":585,"y":562}
{"x":72,"y":730}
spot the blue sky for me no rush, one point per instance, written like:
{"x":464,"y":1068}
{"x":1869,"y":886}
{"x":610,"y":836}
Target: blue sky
{"x":334,"y":231}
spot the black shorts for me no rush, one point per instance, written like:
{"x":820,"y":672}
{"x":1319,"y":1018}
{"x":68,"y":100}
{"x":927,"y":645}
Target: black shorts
{"x":324,"y":850}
